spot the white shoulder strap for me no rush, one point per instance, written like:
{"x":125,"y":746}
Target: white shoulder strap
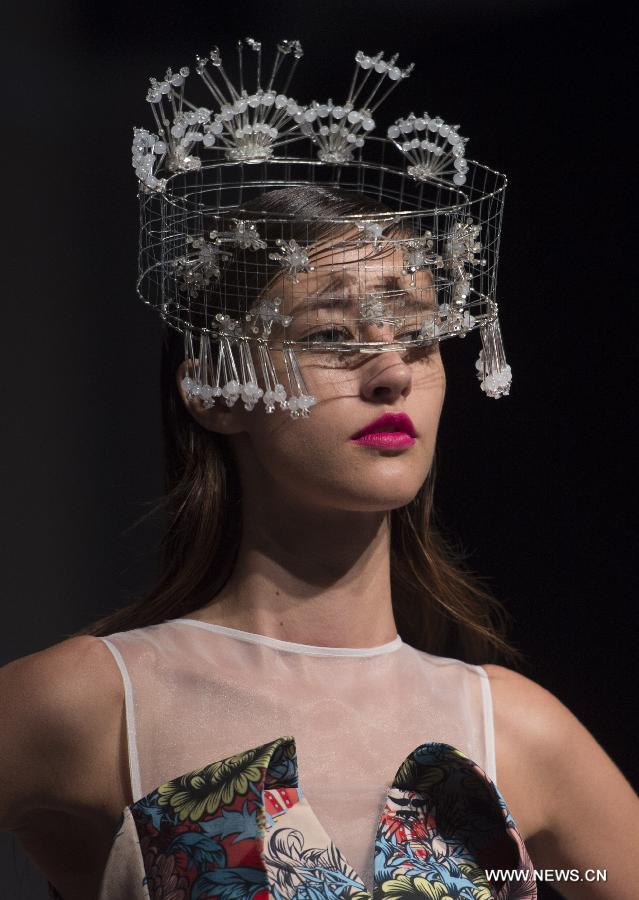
{"x":134,"y":761}
{"x":489,"y":726}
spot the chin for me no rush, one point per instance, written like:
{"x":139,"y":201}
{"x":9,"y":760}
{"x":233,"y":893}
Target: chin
{"x":376,"y":503}
{"x":379,"y":493}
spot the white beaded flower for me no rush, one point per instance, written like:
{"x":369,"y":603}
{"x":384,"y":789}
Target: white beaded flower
{"x":434,"y":149}
{"x":227,"y":326}
{"x":373,"y":310}
{"x":244,"y":235}
{"x":458,"y":319}
{"x":196,"y":272}
{"x":372,"y":230}
{"x":447,"y":320}
{"x":267,"y":312}
{"x":419,"y":254}
{"x":293,"y":258}
{"x":463,"y":244}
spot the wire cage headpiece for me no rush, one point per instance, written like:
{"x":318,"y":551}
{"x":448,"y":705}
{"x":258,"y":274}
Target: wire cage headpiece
{"x":270,"y":226}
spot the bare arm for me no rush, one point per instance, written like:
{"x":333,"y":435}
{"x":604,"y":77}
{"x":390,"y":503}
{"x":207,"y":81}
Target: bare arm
{"x":574,"y":805}
{"x":61,"y":741}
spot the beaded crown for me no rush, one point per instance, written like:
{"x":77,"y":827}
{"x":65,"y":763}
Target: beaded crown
{"x":270,"y":226}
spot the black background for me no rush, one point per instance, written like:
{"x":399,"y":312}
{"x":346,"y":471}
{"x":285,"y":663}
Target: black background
{"x":540,"y":486}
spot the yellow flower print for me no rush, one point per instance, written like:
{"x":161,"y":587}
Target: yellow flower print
{"x":205,"y":790}
{"x":476,"y":875}
{"x":402,"y":887}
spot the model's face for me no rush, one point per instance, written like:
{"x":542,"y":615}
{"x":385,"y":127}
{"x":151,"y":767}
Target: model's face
{"x":320,"y":458}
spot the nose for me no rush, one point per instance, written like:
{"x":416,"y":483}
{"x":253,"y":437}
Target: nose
{"x":385,"y":378}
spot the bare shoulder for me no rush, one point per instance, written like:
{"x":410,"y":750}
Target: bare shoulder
{"x":527,"y":712}
{"x":536,"y":735}
{"x":554,"y":774}
{"x":64,"y":709}
{"x":536,"y":725}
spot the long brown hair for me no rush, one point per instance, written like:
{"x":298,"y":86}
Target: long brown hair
{"x":439,"y":605}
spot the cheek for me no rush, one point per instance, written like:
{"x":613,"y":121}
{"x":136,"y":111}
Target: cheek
{"x":306,"y":445}
{"x":429,"y":387}
{"x":331,"y":382}
{"x":305,"y":457}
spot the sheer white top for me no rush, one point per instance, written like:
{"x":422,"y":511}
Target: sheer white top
{"x":197,"y":693}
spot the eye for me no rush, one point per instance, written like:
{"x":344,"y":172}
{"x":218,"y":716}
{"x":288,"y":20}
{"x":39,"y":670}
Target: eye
{"x":329,"y":335}
{"x":410,"y":335}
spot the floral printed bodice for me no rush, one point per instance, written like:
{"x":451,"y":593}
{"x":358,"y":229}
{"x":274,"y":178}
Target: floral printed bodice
{"x":241,"y":829}
{"x":397,"y":792}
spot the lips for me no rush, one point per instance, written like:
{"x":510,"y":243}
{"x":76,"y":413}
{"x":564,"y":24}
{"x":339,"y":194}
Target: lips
{"x":391,"y":431}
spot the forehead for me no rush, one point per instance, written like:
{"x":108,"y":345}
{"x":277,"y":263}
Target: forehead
{"x":351,"y":268}
{"x":353,"y":253}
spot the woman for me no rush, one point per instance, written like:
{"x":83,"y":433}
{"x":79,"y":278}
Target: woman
{"x":161,"y":761}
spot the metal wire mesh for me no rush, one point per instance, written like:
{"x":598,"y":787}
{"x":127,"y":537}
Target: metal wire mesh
{"x":421,"y":266}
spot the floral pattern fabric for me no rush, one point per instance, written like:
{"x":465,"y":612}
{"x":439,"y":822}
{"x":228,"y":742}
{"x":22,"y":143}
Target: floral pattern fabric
{"x":241,"y":829}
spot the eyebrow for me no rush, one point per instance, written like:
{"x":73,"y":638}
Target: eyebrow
{"x":325,"y":299}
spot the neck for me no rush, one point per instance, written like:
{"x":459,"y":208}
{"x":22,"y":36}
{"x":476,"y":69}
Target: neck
{"x":312,"y":576}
